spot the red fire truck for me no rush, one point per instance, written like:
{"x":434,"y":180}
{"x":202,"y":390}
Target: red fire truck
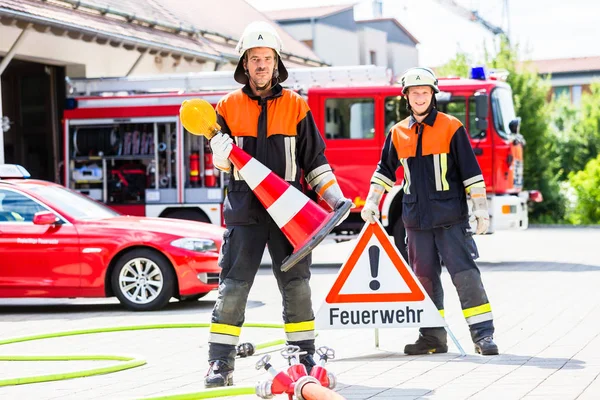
{"x":124,"y":144}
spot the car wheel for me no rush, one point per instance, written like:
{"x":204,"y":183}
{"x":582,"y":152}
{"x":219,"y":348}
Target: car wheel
{"x":399,"y":233}
{"x":143,"y":280}
{"x":194,"y":297}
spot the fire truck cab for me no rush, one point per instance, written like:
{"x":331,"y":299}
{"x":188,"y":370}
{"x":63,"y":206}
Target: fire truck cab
{"x":356,"y":120}
{"x":124,"y":144}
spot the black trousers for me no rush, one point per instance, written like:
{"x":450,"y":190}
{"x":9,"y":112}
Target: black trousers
{"x":240,"y":259}
{"x":454,"y":245}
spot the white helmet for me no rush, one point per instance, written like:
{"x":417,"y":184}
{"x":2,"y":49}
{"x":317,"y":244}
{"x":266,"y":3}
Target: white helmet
{"x":419,"y":76}
{"x":259,"y":34}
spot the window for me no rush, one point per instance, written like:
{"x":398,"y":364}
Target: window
{"x":562,"y":91}
{"x":16,"y":207}
{"x":576,"y":94}
{"x":472,"y":128}
{"x":457,"y":107}
{"x":503,"y":111}
{"x":75,"y":204}
{"x":350,"y":118}
{"x":395,"y":110}
{"x":373,"y":57}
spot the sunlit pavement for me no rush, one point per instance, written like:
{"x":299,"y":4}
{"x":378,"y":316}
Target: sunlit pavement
{"x":542,"y":283}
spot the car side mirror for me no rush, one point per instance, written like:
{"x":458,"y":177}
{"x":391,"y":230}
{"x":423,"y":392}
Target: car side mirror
{"x":481,"y":111}
{"x":515,"y":125}
{"x":44,"y":218}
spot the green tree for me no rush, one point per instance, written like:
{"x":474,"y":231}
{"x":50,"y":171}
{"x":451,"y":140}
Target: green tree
{"x":529,"y":95}
{"x":458,"y":66}
{"x":589,"y":129}
{"x":586,"y":184}
{"x":565,"y":117}
{"x":576,"y":131}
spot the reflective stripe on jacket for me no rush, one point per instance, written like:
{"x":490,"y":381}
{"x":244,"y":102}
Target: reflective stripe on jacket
{"x":439,"y":164}
{"x":280,"y":132}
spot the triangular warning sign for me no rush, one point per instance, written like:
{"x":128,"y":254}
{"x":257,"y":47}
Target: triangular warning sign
{"x":376,"y":288}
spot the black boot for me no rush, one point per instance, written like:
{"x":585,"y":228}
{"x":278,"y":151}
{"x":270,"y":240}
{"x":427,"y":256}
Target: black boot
{"x":486,"y":347}
{"x":308,"y":361}
{"x":219,"y":374}
{"x":425,"y":345}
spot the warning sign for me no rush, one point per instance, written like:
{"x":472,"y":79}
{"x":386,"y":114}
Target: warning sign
{"x":375,"y":288}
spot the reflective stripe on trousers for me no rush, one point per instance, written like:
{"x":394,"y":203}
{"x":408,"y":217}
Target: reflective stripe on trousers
{"x":240,"y":258}
{"x":454,"y":246}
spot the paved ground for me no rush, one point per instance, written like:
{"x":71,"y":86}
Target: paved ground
{"x":543,"y":285}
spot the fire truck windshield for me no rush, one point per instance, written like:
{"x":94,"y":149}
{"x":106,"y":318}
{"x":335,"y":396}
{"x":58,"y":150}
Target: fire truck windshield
{"x":74,"y":204}
{"x":395,"y":110}
{"x":503,"y":111}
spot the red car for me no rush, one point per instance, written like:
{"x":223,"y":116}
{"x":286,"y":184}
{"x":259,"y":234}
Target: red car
{"x":57,"y":243}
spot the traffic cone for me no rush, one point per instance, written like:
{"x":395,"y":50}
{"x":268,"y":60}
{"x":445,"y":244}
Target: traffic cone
{"x":302,"y":221}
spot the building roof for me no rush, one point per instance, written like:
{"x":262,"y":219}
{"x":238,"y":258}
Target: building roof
{"x":171,"y":27}
{"x":566,"y":65}
{"x":376,"y":21}
{"x":308,"y":12}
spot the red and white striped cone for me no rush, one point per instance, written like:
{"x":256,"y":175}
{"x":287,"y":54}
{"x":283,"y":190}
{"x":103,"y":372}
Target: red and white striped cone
{"x":302,"y":221}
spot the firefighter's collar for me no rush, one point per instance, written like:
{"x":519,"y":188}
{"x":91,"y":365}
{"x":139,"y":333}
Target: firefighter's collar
{"x":429,"y":119}
{"x":276,"y":91}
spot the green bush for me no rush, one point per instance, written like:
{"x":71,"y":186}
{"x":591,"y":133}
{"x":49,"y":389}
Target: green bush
{"x":530,"y":98}
{"x":586,"y":185}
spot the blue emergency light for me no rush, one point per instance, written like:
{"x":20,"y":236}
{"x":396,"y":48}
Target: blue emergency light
{"x":478,"y":73}
{"x":13,"y":171}
{"x":70,"y":103}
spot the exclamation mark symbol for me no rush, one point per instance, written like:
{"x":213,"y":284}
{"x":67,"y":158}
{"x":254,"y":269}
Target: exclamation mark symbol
{"x":374,"y":261}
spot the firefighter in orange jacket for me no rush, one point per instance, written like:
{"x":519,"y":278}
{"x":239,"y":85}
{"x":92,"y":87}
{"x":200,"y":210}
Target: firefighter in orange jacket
{"x":440,"y":170}
{"x":275,"y":126}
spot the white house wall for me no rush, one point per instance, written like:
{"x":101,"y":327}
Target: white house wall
{"x":336,"y":46}
{"x":99,"y":60}
{"x":402,"y":57}
{"x":301,"y":31}
{"x":373,"y":40}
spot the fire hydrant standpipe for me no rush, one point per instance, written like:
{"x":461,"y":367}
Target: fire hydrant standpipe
{"x":295,"y":382}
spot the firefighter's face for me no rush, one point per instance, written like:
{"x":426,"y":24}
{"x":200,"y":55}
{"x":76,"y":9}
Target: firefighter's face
{"x":260,"y":63}
{"x":419,"y":98}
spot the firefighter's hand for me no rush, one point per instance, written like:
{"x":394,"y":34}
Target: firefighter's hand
{"x":483,"y":221}
{"x":340,"y":203}
{"x":370,"y":212}
{"x":221,"y":145}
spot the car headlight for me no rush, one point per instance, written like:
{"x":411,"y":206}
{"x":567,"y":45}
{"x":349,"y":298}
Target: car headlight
{"x":195,"y":244}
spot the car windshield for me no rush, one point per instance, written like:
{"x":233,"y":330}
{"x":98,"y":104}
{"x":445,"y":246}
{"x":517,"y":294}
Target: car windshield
{"x":74,"y":204}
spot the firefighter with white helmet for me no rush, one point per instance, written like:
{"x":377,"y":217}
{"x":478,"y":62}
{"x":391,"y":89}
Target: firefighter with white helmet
{"x":275,"y":126}
{"x":440,"y":171}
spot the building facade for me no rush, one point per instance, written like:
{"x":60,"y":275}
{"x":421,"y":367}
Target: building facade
{"x":44,"y":42}
{"x":569,"y":76}
{"x":338,"y":39}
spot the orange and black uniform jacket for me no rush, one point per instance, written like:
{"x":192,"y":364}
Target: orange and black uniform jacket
{"x":280,"y":132}
{"x":439,"y":164}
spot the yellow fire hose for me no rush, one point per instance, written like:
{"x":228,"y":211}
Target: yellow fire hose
{"x":126,"y":362}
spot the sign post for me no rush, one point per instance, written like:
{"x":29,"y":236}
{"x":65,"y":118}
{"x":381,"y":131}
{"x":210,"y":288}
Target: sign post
{"x":375,"y":288}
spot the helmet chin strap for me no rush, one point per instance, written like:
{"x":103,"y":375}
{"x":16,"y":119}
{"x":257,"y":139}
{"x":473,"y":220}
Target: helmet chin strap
{"x":267,"y":85}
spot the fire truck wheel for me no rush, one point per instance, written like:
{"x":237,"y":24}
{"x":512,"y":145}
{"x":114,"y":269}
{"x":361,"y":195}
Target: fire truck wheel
{"x":191,"y":214}
{"x":143,"y":280}
{"x":399,"y":233}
